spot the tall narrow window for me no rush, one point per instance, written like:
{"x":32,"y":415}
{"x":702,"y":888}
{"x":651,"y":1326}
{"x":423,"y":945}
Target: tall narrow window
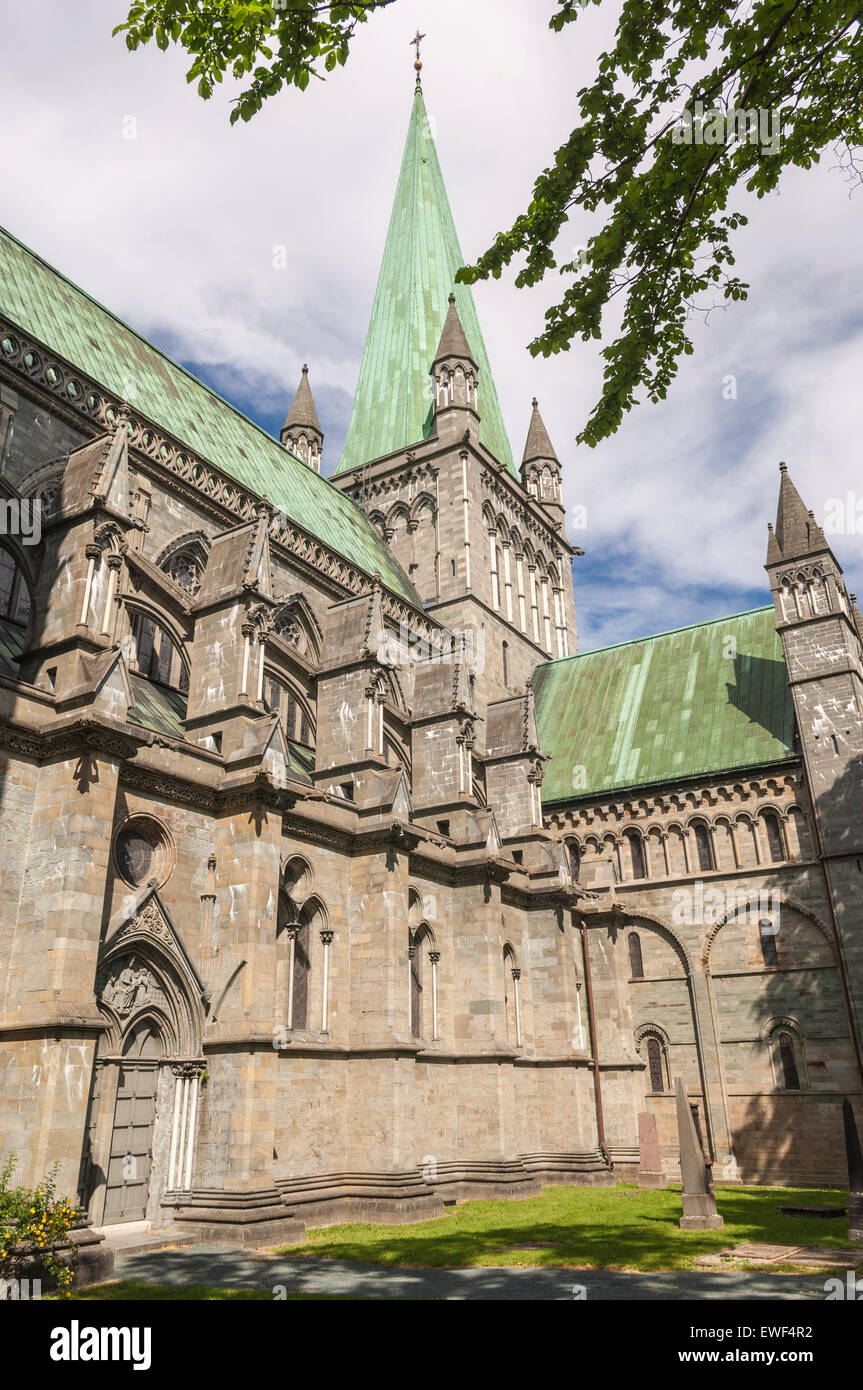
{"x":291,"y":718}
{"x":774,"y":839}
{"x":654,"y":1063}
{"x":292,"y":970}
{"x":636,"y":961}
{"x":702,"y":845}
{"x":301,"y":977}
{"x":790,"y":1074}
{"x":574,"y":858}
{"x":157,"y":656}
{"x":767,"y":933}
{"x":14,"y":595}
{"x":415,"y":955}
{"x":506,"y":663}
{"x":511,"y":1002}
{"x":636,"y":850}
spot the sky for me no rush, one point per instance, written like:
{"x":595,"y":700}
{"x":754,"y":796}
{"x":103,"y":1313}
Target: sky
{"x":246,"y":251}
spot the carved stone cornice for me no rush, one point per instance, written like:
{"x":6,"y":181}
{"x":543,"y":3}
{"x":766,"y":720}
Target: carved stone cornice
{"x":83,"y":735}
{"x":82,"y":401}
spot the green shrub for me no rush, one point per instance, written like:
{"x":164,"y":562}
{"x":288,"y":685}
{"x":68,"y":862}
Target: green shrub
{"x":33,"y":1223}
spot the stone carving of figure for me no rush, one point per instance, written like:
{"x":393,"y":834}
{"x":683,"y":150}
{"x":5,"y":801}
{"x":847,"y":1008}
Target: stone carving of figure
{"x":129,"y":989}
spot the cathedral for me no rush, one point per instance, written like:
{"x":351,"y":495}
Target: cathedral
{"x":336,"y":884}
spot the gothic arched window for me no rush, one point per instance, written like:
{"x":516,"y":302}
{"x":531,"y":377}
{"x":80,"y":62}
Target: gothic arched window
{"x":574,"y":858}
{"x":294,"y":962}
{"x":295,"y":721}
{"x":415,"y":957}
{"x":511,"y":1003}
{"x":14,"y":594}
{"x":186,"y":568}
{"x":774,"y":838}
{"x":655,"y":1068}
{"x":636,"y":850}
{"x":767,"y":936}
{"x":790,"y":1073}
{"x":636,"y":960}
{"x":157,"y":655}
{"x":702,"y":845}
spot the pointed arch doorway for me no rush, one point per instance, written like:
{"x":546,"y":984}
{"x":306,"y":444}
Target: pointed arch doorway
{"x":131,"y":1156}
{"x":144,"y":1105}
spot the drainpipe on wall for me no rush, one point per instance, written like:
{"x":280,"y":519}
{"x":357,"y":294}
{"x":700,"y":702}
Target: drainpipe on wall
{"x":591,"y":1023}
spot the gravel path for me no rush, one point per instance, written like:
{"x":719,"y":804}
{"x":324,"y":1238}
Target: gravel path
{"x":232,"y":1268}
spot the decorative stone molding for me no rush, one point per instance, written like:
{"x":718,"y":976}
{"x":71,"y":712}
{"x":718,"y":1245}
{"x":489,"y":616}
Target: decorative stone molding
{"x":221,"y":495}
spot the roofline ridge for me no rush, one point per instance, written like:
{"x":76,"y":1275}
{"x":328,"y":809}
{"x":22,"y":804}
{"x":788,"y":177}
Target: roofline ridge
{"x":161,"y":353}
{"x":637,"y":788}
{"x":190,"y":444}
{"x":651,"y":636}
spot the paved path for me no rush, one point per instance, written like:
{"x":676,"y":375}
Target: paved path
{"x":230,"y":1268}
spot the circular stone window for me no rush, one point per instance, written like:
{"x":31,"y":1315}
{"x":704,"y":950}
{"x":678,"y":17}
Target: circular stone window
{"x":142,"y":850}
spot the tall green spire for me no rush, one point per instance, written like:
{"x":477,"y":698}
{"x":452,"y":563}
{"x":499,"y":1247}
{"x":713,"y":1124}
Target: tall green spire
{"x":393,"y":403}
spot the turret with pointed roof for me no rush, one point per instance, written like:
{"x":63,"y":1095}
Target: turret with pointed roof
{"x":392,"y":407}
{"x":455,"y":380}
{"x":540,"y":467}
{"x":797,"y":533}
{"x":301,"y":432}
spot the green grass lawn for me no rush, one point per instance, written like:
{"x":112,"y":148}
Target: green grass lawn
{"x":621,"y":1227}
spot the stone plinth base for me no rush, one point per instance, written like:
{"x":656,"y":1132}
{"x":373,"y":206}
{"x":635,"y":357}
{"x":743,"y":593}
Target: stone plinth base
{"x":327,"y":1198}
{"x":252,"y":1217}
{"x":699,"y":1213}
{"x":648,"y":1179}
{"x":95,"y":1260}
{"x":855,"y":1217}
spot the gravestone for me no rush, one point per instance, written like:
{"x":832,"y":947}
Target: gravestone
{"x":699,"y":1205}
{"x":650,"y":1172}
{"x":855,"y":1174}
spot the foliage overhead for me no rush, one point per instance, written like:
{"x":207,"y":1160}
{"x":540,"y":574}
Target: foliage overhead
{"x":696,"y":101}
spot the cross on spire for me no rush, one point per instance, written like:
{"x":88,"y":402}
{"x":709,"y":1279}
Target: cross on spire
{"x":415,"y":43}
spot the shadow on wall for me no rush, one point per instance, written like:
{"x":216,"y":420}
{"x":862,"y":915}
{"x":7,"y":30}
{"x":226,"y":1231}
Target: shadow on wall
{"x":788,"y":1052}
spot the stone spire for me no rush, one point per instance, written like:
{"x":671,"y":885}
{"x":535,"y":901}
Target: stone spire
{"x":797,"y":533}
{"x":301,"y":432}
{"x":391,"y":407}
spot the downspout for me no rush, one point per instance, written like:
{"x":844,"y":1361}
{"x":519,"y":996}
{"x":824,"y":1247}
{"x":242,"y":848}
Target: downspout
{"x":591,"y":1023}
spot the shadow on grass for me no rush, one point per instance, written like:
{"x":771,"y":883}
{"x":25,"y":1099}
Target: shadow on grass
{"x":601,"y":1228}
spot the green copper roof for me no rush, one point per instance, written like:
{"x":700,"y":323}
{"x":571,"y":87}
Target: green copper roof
{"x":157,"y":708}
{"x":700,"y":700}
{"x":44,"y":303}
{"x":393,"y":405}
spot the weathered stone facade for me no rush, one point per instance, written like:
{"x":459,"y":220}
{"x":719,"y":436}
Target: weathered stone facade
{"x":285,"y":932}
